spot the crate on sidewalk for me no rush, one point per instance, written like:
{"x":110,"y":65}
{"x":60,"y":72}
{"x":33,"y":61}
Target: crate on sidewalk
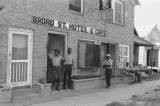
{"x":5,"y":93}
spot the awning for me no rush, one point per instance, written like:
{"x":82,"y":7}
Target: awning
{"x":141,"y":42}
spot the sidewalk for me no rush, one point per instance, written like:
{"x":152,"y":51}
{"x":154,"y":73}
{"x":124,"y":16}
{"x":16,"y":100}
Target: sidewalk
{"x":102,"y":96}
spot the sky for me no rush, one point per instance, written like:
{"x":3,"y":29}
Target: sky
{"x":147,"y":15}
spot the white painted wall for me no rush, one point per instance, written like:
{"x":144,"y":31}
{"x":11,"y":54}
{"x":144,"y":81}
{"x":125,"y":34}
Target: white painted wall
{"x":159,"y":58}
{"x":142,"y":56}
{"x":145,"y":57}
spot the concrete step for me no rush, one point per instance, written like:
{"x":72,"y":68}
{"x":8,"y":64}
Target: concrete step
{"x":22,"y":91}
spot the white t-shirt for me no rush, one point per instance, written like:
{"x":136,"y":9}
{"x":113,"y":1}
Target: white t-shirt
{"x":109,"y":62}
{"x":69,"y":59}
{"x":56,"y":60}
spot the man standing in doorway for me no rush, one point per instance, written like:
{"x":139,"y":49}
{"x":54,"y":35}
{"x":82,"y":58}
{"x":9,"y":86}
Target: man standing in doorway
{"x":56,"y":62}
{"x":107,"y":64}
{"x":68,"y":69}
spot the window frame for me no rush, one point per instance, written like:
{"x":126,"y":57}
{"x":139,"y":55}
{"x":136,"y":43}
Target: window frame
{"x":82,"y":8}
{"x":113,"y":5}
{"x":128,"y":52}
{"x":85,"y":40}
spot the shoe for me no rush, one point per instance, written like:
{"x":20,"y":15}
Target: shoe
{"x":106,"y":86}
{"x":65,"y":88}
{"x":58,"y":88}
{"x":53,"y":87}
{"x":70,"y":87}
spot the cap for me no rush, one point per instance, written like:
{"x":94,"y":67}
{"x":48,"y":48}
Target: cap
{"x":108,"y":55}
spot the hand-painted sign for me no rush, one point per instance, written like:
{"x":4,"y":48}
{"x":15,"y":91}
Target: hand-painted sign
{"x":66,"y":25}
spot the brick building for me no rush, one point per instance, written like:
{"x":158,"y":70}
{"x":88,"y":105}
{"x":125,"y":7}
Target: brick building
{"x":90,"y":27}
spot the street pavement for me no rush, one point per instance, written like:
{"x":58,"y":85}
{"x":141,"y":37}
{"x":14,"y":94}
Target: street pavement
{"x":103,"y":96}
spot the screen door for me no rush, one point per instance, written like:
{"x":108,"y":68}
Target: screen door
{"x":20,"y":58}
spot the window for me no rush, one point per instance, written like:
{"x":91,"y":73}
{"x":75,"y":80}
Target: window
{"x":123,"y":55}
{"x":118,"y":12}
{"x":88,"y":54}
{"x":113,"y":11}
{"x":76,"y":5}
{"x":105,"y":4}
{"x":19,"y":47}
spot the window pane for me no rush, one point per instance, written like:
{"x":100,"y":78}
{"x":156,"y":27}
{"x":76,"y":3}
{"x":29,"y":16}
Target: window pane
{"x":118,"y":13}
{"x":75,"y":5}
{"x":92,"y":55}
{"x":19,"y":47}
{"x":118,"y":8}
{"x":118,"y":18}
{"x":124,"y":56}
{"x":81,"y":54}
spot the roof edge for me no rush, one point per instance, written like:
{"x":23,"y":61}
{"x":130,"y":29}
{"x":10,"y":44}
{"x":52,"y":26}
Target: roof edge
{"x":136,"y":2}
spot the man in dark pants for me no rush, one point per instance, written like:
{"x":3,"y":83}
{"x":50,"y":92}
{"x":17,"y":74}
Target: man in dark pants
{"x":107,"y":64}
{"x":68,"y":69}
{"x":56,"y":62}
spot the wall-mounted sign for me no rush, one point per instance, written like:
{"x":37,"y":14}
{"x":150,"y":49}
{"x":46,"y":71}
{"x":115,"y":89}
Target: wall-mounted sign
{"x":66,"y":25}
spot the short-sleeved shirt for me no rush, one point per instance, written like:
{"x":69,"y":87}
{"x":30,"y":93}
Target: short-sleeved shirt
{"x":127,"y":68}
{"x":109,"y":62}
{"x":56,"y":60}
{"x":69,"y":59}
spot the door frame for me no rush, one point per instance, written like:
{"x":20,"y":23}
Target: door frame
{"x":65,"y":39}
{"x":116,"y":55}
{"x":30,"y":54}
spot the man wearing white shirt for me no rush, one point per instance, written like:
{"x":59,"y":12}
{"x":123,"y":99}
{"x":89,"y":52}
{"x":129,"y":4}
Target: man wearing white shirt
{"x":107,"y":64}
{"x":68,"y":69}
{"x":56,"y":68}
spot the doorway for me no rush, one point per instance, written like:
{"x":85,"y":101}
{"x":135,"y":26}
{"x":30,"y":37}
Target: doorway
{"x":152,"y":58}
{"x":112,"y":52}
{"x":55,"y":41}
{"x":108,"y":48}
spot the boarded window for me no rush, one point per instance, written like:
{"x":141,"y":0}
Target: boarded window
{"x":88,"y":55}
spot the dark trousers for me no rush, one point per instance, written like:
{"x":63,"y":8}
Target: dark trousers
{"x":139,"y":77}
{"x":56,"y":77}
{"x":108,"y":77}
{"x":67,"y":77}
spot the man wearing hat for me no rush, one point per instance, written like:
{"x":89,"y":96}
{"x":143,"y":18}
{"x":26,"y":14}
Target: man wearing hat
{"x":107,"y":64}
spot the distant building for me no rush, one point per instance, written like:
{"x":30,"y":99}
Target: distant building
{"x":151,"y":56}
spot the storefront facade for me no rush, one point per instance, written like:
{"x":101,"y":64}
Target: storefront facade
{"x":29,"y":29}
